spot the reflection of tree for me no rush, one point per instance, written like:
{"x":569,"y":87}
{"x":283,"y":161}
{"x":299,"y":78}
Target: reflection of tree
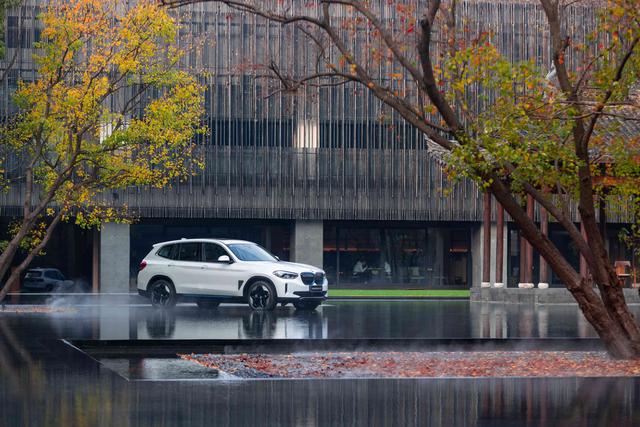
{"x":54,"y":390}
{"x":603,"y":401}
{"x":16,"y":360}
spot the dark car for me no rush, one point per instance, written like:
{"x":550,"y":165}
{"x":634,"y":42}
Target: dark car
{"x":45,"y":280}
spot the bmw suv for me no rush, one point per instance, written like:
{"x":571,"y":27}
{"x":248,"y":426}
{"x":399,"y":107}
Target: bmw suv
{"x":214,"y":271}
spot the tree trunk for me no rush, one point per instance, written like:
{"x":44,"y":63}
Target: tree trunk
{"x":608,"y":312}
{"x":15,"y":274}
{"x":7,"y":257}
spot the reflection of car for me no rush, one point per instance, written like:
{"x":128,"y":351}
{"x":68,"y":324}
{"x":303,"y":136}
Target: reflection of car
{"x":231,"y":322}
{"x":45,"y":280}
{"x":214,"y":271}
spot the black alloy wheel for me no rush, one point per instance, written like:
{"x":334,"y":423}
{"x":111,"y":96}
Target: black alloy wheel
{"x":162,"y":294}
{"x":262,"y":296}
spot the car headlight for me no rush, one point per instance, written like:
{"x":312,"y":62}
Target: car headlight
{"x":285,"y":274}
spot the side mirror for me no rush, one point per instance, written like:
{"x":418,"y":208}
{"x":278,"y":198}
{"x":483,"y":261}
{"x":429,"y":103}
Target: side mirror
{"x":224,"y":258}
{"x":277,"y":257}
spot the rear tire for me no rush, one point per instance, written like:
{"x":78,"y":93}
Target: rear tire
{"x":262,"y":296}
{"x":306,"y":305}
{"x":162,"y":294}
{"x":206,"y":304}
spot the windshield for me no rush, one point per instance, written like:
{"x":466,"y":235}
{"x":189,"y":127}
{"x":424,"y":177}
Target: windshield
{"x":249,"y":252}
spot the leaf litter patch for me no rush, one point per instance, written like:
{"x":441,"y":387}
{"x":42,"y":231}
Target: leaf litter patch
{"x":37,"y":309}
{"x":419,"y":364}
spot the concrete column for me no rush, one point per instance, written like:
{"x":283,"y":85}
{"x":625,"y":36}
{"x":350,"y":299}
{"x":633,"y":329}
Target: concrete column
{"x":307,"y":242}
{"x":486,"y":241}
{"x":114,"y":258}
{"x":95,"y":261}
{"x":500,"y":248}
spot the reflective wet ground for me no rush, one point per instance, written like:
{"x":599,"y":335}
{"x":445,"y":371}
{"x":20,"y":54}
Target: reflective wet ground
{"x":46,"y":382}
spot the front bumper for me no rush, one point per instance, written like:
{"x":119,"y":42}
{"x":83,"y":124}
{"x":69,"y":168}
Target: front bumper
{"x":311,"y":294}
{"x":294,"y":289}
{"x":318,"y":296}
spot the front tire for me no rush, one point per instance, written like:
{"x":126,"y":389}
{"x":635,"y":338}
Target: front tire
{"x":306,"y":305}
{"x":162,"y":294}
{"x":206,"y":304}
{"x":262,"y":296}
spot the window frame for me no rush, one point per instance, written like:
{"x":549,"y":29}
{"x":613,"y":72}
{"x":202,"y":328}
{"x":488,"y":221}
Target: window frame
{"x":219,"y":246}
{"x":171,"y":248}
{"x":198,"y":257}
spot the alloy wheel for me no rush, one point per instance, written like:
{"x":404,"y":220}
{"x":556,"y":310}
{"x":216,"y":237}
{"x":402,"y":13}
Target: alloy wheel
{"x":259,"y":296}
{"x":160,"y":294}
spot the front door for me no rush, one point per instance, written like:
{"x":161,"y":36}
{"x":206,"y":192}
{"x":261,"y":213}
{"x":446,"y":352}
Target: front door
{"x":218,"y":278}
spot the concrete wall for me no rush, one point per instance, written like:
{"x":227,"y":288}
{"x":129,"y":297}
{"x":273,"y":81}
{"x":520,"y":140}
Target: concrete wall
{"x":114,"y":257}
{"x":307,"y":242}
{"x":537,"y":296}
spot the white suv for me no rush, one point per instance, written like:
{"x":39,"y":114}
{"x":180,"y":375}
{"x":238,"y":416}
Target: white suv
{"x":213,"y":271}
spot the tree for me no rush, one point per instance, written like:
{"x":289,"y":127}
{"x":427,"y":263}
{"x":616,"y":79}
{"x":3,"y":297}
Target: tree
{"x":110,"y":109}
{"x":550,"y":136}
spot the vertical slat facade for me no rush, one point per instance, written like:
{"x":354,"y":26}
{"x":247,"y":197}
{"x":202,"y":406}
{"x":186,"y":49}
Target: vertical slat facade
{"x":323,"y":153}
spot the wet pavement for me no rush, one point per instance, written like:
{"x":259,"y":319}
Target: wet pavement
{"x":47,"y":382}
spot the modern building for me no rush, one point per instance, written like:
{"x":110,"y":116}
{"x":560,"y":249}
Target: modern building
{"x":327,"y":176}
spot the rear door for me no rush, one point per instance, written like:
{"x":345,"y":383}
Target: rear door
{"x":186,"y":267}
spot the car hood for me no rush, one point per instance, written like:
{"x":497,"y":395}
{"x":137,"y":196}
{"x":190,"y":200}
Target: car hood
{"x":294,"y":267}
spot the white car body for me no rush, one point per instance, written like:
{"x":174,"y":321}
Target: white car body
{"x":227,"y":281}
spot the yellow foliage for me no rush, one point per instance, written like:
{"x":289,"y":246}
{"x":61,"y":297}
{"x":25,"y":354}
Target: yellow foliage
{"x":82,"y":143}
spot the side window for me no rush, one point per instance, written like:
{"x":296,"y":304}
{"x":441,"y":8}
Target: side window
{"x":53,"y":274}
{"x":212,"y":252}
{"x":165,"y":251}
{"x":189,"y":251}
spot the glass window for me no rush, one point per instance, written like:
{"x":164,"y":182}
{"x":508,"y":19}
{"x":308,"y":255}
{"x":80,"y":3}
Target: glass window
{"x":165,"y":251}
{"x":249,"y":252}
{"x":53,"y":274}
{"x":410,"y":258}
{"x":32,"y":273}
{"x":212,"y":252}
{"x":189,"y":251}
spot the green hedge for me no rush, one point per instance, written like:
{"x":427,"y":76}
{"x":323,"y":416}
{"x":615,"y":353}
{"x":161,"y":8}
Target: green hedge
{"x":440,"y":293}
